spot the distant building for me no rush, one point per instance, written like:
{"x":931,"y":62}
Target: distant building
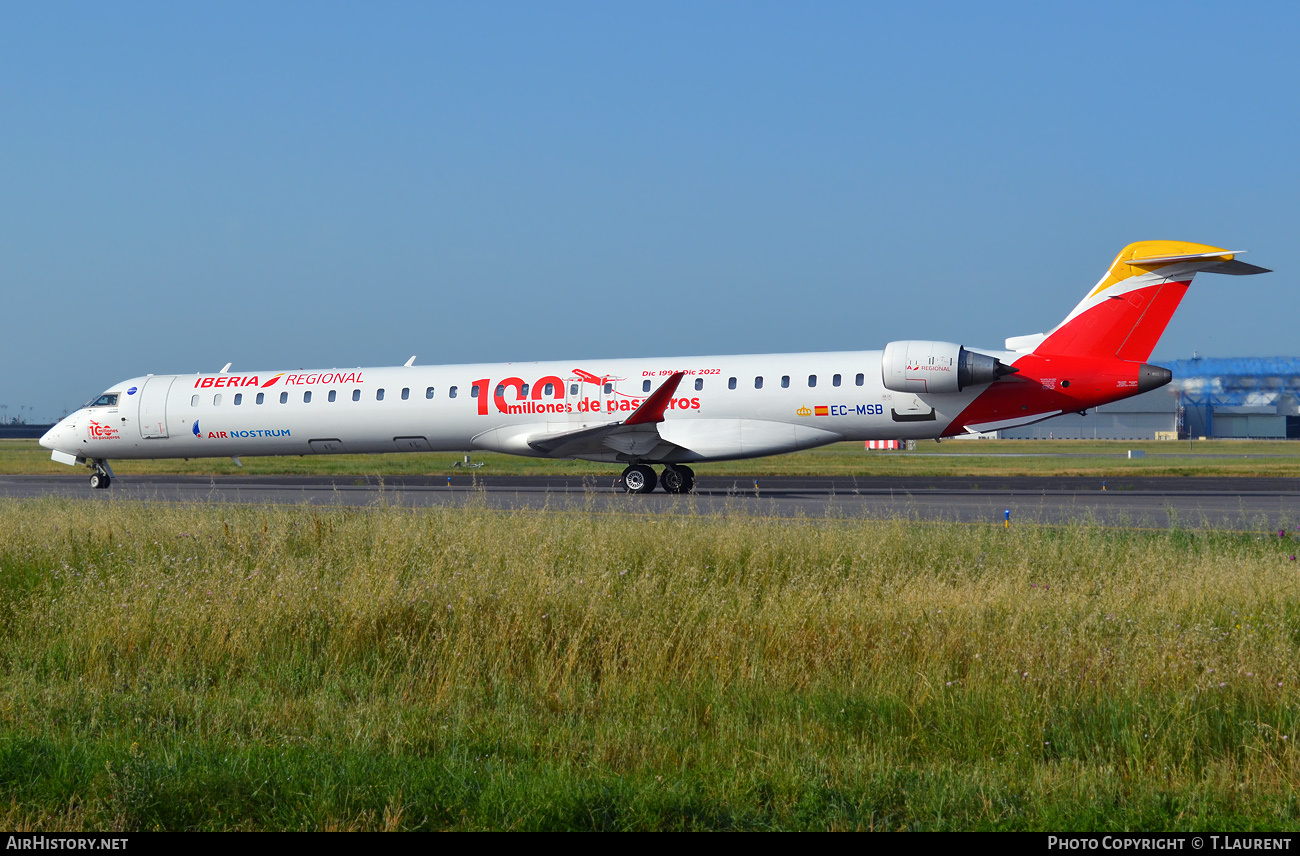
{"x":22,"y":431}
{"x":1141,"y":417}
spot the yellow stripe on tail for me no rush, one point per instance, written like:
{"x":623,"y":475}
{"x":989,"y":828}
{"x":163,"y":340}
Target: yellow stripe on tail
{"x":1157,"y":254}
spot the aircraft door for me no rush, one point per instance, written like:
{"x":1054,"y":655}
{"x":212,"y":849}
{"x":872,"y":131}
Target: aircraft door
{"x":152,"y":417}
{"x":585,"y":397}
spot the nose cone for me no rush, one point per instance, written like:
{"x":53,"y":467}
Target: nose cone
{"x":61,"y":435}
{"x":48,"y":439}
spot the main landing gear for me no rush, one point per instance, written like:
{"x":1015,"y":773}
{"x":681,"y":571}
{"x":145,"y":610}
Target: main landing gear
{"x":102,"y":477}
{"x":677,"y":479}
{"x":640,"y":478}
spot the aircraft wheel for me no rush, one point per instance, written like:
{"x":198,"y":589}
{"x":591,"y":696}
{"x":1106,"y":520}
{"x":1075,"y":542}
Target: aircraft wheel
{"x":678,"y":479}
{"x":638,"y":478}
{"x":98,"y":481}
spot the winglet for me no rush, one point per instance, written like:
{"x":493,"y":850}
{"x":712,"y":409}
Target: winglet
{"x":652,"y":409}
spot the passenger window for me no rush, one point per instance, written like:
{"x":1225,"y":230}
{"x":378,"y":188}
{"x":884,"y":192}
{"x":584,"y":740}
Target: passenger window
{"x":731,"y":383}
{"x":758,"y":383}
{"x":859,"y":379}
{"x":406,"y":393}
{"x":306,"y":397}
{"x":284,"y":398}
{"x":261,"y":396}
{"x":812,"y":380}
{"x":334,"y":395}
{"x":645,"y":386}
{"x":501,"y":390}
{"x":239,"y":398}
{"x":428,"y":393}
{"x":609,"y":387}
{"x":356,"y":395}
{"x":216,"y":400}
{"x":523,"y":391}
{"x":379,"y":395}
{"x":785,"y":381}
{"x":835,"y":380}
{"x":473,"y":391}
{"x":549,"y":389}
{"x":194,"y":401}
{"x":699,"y":384}
{"x":573,"y":389}
{"x":451,"y":393}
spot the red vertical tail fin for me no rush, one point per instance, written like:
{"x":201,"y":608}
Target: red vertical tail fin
{"x":1124,"y":315}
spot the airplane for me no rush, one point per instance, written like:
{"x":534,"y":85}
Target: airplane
{"x":671,"y":412}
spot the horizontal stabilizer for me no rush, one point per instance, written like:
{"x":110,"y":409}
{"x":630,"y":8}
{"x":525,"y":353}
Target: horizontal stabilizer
{"x":1237,"y":268}
{"x":1228,"y":263}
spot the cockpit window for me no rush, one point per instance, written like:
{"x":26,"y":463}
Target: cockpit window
{"x":108,"y":399}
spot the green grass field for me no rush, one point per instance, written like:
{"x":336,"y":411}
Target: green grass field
{"x":955,"y":458}
{"x":193,"y":667}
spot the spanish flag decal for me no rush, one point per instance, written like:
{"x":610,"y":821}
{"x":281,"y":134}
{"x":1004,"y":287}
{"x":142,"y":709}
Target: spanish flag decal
{"x":823,"y":411}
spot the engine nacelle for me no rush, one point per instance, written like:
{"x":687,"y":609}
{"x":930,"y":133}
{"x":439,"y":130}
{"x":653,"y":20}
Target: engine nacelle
{"x":937,"y":367}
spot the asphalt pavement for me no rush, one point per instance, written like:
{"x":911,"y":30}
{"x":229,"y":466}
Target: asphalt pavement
{"x":1139,"y":502}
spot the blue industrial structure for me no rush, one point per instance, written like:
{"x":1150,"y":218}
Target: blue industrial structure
{"x":1237,"y":396}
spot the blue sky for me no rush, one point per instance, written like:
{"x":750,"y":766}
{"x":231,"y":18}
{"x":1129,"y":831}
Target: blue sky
{"x":317,"y":185}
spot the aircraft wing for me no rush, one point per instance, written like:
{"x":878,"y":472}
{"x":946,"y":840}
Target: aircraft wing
{"x":634,"y":436}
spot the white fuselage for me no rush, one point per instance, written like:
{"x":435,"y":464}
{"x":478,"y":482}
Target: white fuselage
{"x":724,"y":407}
{"x":669,"y":411}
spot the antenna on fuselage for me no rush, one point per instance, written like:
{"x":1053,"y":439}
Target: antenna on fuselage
{"x":224,"y":368}
{"x":411,"y":361}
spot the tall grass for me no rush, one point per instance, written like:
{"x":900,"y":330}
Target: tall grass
{"x":245,"y":667}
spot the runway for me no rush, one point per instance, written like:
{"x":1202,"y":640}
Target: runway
{"x":1227,"y":503}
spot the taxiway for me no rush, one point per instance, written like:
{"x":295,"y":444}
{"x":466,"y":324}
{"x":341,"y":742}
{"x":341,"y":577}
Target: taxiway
{"x":1234,"y":503}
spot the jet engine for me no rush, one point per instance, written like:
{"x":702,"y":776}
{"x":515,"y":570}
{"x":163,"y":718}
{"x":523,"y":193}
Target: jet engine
{"x":937,"y":367}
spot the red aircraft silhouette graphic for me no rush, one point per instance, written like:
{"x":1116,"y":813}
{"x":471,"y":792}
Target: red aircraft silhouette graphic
{"x":588,"y":377}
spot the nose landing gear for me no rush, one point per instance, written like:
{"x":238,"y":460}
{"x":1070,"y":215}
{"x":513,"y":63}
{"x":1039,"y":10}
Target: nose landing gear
{"x":102,"y":477}
{"x":639,"y":478}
